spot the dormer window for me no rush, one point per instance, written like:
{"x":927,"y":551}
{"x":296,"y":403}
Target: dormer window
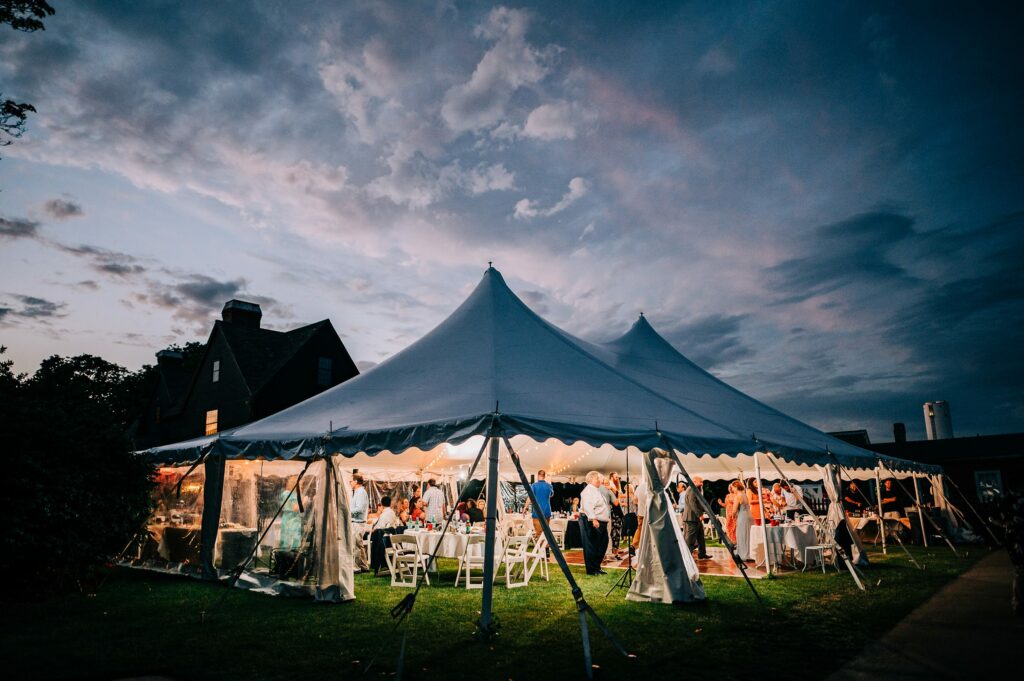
{"x":216,"y":370}
{"x":323,"y":371}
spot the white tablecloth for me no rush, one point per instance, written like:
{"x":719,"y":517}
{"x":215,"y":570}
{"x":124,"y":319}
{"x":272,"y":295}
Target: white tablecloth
{"x":451,"y":545}
{"x":795,"y":536}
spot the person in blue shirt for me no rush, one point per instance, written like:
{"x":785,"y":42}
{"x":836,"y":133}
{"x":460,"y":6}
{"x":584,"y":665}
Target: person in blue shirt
{"x":543,"y":491}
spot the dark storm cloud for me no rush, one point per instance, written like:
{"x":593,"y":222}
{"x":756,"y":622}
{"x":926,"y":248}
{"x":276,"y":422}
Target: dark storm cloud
{"x":22,"y":307}
{"x":711,"y":341}
{"x":62,"y":209}
{"x":842,"y":254}
{"x":18,"y":228}
{"x":105,"y":261}
{"x":199,"y":298}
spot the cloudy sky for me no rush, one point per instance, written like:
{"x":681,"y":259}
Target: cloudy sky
{"x":820,"y":203}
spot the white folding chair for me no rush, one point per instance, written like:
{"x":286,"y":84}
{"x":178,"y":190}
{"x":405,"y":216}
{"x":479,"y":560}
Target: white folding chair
{"x":470,"y":559}
{"x":538,"y":557}
{"x":516,"y":561}
{"x":405,"y":560}
{"x":825,"y":548}
{"x":558,"y":526}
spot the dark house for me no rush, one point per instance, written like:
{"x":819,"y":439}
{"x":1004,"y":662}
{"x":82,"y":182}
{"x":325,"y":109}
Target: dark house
{"x":244,"y":374}
{"x":981,"y":466}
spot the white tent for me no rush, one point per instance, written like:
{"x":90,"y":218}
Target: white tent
{"x":569,"y":405}
{"x":494,"y":367}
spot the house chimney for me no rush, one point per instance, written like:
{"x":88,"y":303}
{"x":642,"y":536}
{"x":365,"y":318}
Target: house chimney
{"x":899,"y":433}
{"x":169,"y":358}
{"x":242,"y":313}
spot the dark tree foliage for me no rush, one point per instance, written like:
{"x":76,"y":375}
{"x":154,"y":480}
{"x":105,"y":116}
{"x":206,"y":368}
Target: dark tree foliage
{"x":26,"y":16}
{"x":74,"y":493}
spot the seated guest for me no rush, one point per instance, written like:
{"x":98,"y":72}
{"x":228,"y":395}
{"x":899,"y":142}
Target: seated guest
{"x":387,"y":519}
{"x":473,"y":512}
{"x":460,"y":511}
{"x":575,"y":508}
{"x":403,"y":511}
{"x":419,"y":512}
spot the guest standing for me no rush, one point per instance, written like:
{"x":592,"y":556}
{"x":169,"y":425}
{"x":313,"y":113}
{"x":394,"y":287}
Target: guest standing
{"x":741,"y":510}
{"x":693,"y":511}
{"x":615,"y":528}
{"x":360,"y":500}
{"x":542,"y":491}
{"x":730,"y":511}
{"x":434,"y":500}
{"x":595,"y":512}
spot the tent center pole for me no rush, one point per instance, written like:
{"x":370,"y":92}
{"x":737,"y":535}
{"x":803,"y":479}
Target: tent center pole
{"x":491,"y":538}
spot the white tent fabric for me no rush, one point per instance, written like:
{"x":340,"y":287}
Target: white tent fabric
{"x":832,"y":481}
{"x":586,"y":402}
{"x":666,"y":571}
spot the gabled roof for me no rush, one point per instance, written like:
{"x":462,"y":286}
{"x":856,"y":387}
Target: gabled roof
{"x":261,"y":353}
{"x":495,"y":355}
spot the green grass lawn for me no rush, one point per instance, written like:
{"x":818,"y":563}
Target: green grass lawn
{"x":141,"y":623}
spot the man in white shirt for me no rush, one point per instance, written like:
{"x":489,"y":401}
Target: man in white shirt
{"x":792,"y":495}
{"x":387,"y":518}
{"x":360,"y":500}
{"x":595,"y":513}
{"x":434,"y":499}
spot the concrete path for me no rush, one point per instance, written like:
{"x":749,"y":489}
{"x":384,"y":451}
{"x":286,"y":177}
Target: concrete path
{"x":966,"y":630}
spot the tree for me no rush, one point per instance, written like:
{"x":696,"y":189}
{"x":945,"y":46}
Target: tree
{"x":26,"y":16}
{"x":75,"y":494}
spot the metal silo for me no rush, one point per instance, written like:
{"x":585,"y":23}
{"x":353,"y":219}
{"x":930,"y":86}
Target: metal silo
{"x":937,"y":422}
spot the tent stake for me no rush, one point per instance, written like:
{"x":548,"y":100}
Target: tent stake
{"x":714,"y":520}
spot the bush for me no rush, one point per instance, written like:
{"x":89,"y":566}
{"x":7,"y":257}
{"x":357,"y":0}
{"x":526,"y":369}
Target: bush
{"x":75,"y":494}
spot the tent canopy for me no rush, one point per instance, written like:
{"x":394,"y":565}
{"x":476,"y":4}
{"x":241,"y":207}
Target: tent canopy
{"x":586,"y":402}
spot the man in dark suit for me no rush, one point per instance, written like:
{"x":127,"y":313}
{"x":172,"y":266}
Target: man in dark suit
{"x":693,"y":511}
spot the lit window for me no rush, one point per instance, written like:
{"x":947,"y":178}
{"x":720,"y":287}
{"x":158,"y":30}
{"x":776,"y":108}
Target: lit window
{"x":211,"y":422}
{"x":323,"y":371}
{"x":216,"y":370}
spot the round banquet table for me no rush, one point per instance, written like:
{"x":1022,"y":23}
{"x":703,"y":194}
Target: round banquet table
{"x":795,"y":536}
{"x":452,"y":545}
{"x":573,"y":540}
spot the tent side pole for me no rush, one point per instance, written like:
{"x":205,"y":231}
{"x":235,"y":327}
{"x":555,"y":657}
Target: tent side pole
{"x":817,"y":523}
{"x":920,"y":513}
{"x":492,"y":511}
{"x":929,"y":518}
{"x":764,"y":519}
{"x":878,"y":499}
